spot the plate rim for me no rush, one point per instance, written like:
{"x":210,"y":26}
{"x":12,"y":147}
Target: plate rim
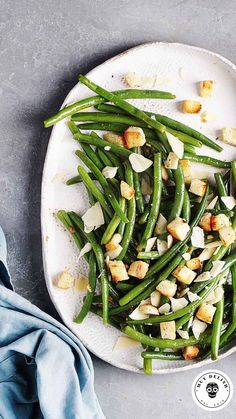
{"x":120,"y":365}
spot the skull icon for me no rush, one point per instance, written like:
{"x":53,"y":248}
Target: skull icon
{"x":212,"y":389}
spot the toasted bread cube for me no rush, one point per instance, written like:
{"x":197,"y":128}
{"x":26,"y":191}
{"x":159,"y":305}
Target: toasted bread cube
{"x":187,"y":170}
{"x":134,"y":137}
{"x":228,"y":136}
{"x":178,"y":228}
{"x":184,"y":274}
{"x":205,"y":222}
{"x":206,"y":88}
{"x":227,"y":235}
{"x":190,"y":352}
{"x":171,"y":161}
{"x":219,"y":221}
{"x":167,"y":288}
{"x":198,"y":187}
{"x":194,"y":264}
{"x":118,"y":270}
{"x":148,"y":309}
{"x":168,"y":330}
{"x":138,"y":269}
{"x":114,"y":138}
{"x":64,"y":280}
{"x":114,"y":242}
{"x":206,"y":313}
{"x":191,"y":106}
{"x":113,"y":254}
{"x":164,"y":173}
{"x":126,"y":191}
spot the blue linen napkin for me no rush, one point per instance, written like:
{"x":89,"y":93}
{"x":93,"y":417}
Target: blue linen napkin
{"x":45,"y":371}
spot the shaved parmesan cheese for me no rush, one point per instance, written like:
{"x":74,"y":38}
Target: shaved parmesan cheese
{"x":93,"y":218}
{"x":139,"y":163}
{"x":186,"y":256}
{"x":205,"y":276}
{"x":210,"y":297}
{"x":161,"y":225}
{"x":178,"y":303}
{"x":81,"y":283}
{"x":206,"y":254}
{"x":217,"y":267}
{"x":193,"y":297}
{"x":190,"y":322}
{"x":164,"y":309}
{"x":107,"y":148}
{"x":212,"y":204}
{"x":148,"y":309}
{"x":112,"y":254}
{"x":197,"y":237}
{"x":138,"y":315}
{"x":198,"y":327}
{"x":162,"y":247}
{"x":155,"y":298}
{"x":170,"y":241}
{"x":176,"y":145}
{"x":213,"y":245}
{"x":87,"y":247}
{"x":218,"y":294}
{"x":229,"y":201}
{"x":124,"y":342}
{"x":183,"y":334}
{"x":109,"y":172}
{"x":150,"y":244}
{"x":183,"y":292}
{"x":224,"y":278}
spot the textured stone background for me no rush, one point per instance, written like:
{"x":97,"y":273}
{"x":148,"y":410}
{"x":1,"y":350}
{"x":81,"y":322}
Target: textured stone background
{"x":43,"y":46}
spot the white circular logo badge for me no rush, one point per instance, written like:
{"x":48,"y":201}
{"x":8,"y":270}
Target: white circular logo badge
{"x":212,"y":390}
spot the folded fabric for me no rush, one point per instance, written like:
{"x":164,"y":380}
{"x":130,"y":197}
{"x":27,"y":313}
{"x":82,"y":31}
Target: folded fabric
{"x":45,"y":372}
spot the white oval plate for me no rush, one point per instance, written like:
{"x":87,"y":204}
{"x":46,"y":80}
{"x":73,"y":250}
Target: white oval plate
{"x":178,"y":68}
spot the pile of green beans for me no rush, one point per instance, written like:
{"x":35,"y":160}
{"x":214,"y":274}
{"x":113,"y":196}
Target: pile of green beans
{"x":133,"y":219}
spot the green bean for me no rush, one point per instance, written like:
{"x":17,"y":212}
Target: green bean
{"x":164,"y":259}
{"x":155,"y":204}
{"x":116,"y":127}
{"x":94,"y":190}
{"x":105,"y":107}
{"x":91,"y":290}
{"x":137,"y":188}
{"x":147,"y":366}
{"x":114,"y":223}
{"x":233,"y":168}
{"x":77,"y":179}
{"x":216,"y":329}
{"x":188,"y":148}
{"x":232,"y":326}
{"x":106,"y":117}
{"x":150,"y":284}
{"x":100,"y":261}
{"x":95,"y":310}
{"x":131,"y":213}
{"x":105,"y":185}
{"x":218,"y":256}
{"x":117,"y":100}
{"x":121,"y":286}
{"x":210,"y":161}
{"x":221,"y":189}
{"x":78,"y":238}
{"x":95,"y":100}
{"x":157,"y":147}
{"x":165,"y":343}
{"x":186,"y":206}
{"x":104,"y":158}
{"x":144,"y":217}
{"x":171,"y":123}
{"x":152,"y":255}
{"x":185,"y":138}
{"x":179,"y":193}
{"x":166,"y":356}
{"x":116,"y":149}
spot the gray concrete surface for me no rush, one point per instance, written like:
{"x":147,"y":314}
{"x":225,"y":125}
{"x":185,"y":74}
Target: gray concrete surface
{"x":43,"y":46}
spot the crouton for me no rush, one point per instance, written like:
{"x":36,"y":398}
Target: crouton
{"x":198,"y":187}
{"x":191,"y":106}
{"x":194,"y":264}
{"x":178,"y":228}
{"x":206,"y":313}
{"x":187,"y":170}
{"x":134,"y":137}
{"x":164,"y":173}
{"x":64,"y":280}
{"x":168,"y":330}
{"x":126,"y":191}
{"x":167,"y":288}
{"x":227,"y":235}
{"x":114,"y":138}
{"x":205,"y":222}
{"x":184,"y":274}
{"x":138,"y":269}
{"x":206,"y":88}
{"x":118,"y":270}
{"x":219,"y":221}
{"x":171,"y":161}
{"x":113,"y":243}
{"x":228,"y":136}
{"x":190,"y":352}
